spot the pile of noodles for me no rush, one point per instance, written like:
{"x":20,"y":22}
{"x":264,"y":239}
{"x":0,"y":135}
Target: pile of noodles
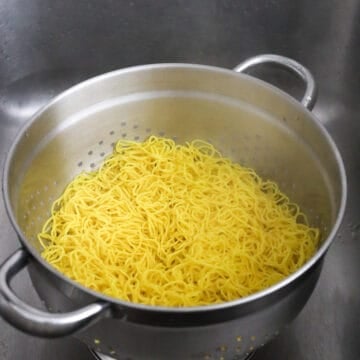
{"x":175,"y":225}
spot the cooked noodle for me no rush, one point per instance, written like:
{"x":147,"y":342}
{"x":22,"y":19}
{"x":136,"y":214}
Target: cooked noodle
{"x":175,"y":225}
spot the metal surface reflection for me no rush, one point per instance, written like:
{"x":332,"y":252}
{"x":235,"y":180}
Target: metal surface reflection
{"x":39,"y":40}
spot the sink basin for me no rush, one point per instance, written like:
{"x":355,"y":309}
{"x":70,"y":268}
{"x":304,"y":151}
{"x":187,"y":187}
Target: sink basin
{"x":46,"y":48}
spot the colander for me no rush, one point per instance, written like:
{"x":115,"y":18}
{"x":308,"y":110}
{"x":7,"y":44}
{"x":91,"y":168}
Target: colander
{"x":249,"y":120}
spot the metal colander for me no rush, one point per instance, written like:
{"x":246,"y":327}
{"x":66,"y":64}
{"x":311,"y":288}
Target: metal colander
{"x":251,"y":122}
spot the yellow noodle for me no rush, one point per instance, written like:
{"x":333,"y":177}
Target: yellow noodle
{"x":175,"y":225}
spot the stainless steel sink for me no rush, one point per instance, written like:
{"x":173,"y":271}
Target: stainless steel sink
{"x":47,"y":46}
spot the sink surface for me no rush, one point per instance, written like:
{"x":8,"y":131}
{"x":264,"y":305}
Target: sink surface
{"x":47,"y":46}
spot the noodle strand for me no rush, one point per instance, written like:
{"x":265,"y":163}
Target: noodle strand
{"x":175,"y":225}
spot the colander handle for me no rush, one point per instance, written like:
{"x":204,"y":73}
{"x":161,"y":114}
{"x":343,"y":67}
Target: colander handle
{"x":310,"y":95}
{"x":35,"y":321}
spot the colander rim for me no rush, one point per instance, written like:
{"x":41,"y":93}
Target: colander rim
{"x":190,"y":309}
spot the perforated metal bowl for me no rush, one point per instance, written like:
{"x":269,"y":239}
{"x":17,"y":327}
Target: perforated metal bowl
{"x":248,"y":120}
